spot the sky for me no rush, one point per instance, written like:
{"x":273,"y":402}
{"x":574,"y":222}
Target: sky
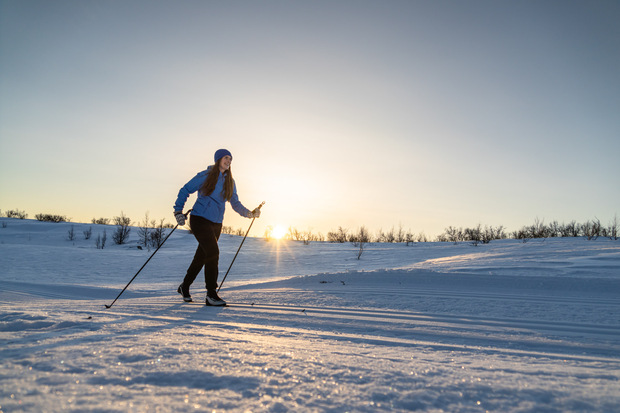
{"x":413,"y":114}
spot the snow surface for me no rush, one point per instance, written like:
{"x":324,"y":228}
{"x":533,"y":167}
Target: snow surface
{"x":436,"y":327}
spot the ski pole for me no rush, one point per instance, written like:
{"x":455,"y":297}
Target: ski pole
{"x":239,"y":249}
{"x":147,"y":261}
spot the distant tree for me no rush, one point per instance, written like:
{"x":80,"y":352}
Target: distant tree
{"x":453,"y":234}
{"x":157,"y":234}
{"x":592,"y":229}
{"x":360,"y":239}
{"x":51,"y":218}
{"x":539,"y":229}
{"x":123,"y":229}
{"x":341,"y":235}
{"x":144,"y":231}
{"x":101,"y":221}
{"x":16,"y":213}
{"x":71,"y":233}
{"x":308,"y":236}
{"x":554,"y":229}
{"x":613,"y":228}
{"x":491,"y":233}
{"x":567,"y":230}
{"x":268,"y":236}
{"x":226,"y":229}
{"x":473,"y":235}
{"x":386,"y":236}
{"x":294,"y":234}
{"x":409,"y":238}
{"x":101,"y":240}
{"x":401,"y":235}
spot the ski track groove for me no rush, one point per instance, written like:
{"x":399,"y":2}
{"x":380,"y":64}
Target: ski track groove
{"x":517,"y":336}
{"x":435,"y":334}
{"x":455,"y":294}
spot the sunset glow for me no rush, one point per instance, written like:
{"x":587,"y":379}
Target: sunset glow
{"x":278,"y":232}
{"x":418,"y":114}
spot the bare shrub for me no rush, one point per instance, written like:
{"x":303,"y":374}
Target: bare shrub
{"x":539,"y":229}
{"x":226,"y":229}
{"x":16,"y":213}
{"x":71,"y":233}
{"x":51,"y":218}
{"x":422,"y":237}
{"x":452,"y":234}
{"x":591,"y":230}
{"x":101,"y":221}
{"x":409,"y":238}
{"x":360,"y":239}
{"x":341,"y":235}
{"x":121,"y":235}
{"x":268,"y":235}
{"x":88,"y":233}
{"x":401,"y":235}
{"x":144,"y":231}
{"x":536,"y":230}
{"x":491,"y":233}
{"x":294,"y":234}
{"x":101,"y":240}
{"x":569,"y":230}
{"x":157,"y":234}
{"x":612,"y":228}
{"x":309,"y":236}
{"x":389,"y":236}
{"x":473,"y":235}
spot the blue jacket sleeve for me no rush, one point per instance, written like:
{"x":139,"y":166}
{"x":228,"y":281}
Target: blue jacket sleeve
{"x":189,"y":188}
{"x":237,"y":205}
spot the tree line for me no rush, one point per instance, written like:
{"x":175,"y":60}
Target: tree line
{"x":151,"y":232}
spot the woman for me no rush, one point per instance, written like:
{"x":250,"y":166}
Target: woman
{"x":215,"y":186}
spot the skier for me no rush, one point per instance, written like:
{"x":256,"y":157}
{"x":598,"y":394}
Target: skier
{"x":215,"y":186}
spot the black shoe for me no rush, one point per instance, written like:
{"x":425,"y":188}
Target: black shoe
{"x":213,"y":299}
{"x":185,"y":293}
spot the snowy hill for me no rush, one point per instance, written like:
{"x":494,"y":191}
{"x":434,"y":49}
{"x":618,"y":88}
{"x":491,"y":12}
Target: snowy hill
{"x":503,"y":327}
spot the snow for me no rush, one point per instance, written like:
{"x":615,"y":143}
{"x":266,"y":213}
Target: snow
{"x":434,"y":327}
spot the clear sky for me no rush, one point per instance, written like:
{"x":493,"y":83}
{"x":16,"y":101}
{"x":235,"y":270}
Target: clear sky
{"x":423,"y":114}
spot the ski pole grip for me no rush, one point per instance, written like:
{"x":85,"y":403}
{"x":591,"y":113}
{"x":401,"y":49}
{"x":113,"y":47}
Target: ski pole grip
{"x":260,"y":206}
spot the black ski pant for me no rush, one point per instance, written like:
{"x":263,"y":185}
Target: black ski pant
{"x":207,"y":255}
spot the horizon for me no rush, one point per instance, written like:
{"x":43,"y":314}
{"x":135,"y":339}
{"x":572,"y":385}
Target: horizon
{"x":350,"y":113}
{"x":606,"y":229}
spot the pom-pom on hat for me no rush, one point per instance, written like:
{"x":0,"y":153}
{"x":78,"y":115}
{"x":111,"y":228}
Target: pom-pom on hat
{"x":220,"y":153}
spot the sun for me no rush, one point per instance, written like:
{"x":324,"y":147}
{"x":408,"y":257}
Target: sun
{"x":278,"y":232}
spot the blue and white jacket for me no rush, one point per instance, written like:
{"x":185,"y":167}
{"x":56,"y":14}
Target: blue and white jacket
{"x":210,"y":206}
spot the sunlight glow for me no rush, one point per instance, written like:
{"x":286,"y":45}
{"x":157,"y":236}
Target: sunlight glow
{"x":278,"y":232}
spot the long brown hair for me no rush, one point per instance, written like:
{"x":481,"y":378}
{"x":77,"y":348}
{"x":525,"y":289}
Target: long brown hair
{"x":208,"y":185}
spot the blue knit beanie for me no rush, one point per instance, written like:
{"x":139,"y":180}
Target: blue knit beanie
{"x":220,"y":153}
